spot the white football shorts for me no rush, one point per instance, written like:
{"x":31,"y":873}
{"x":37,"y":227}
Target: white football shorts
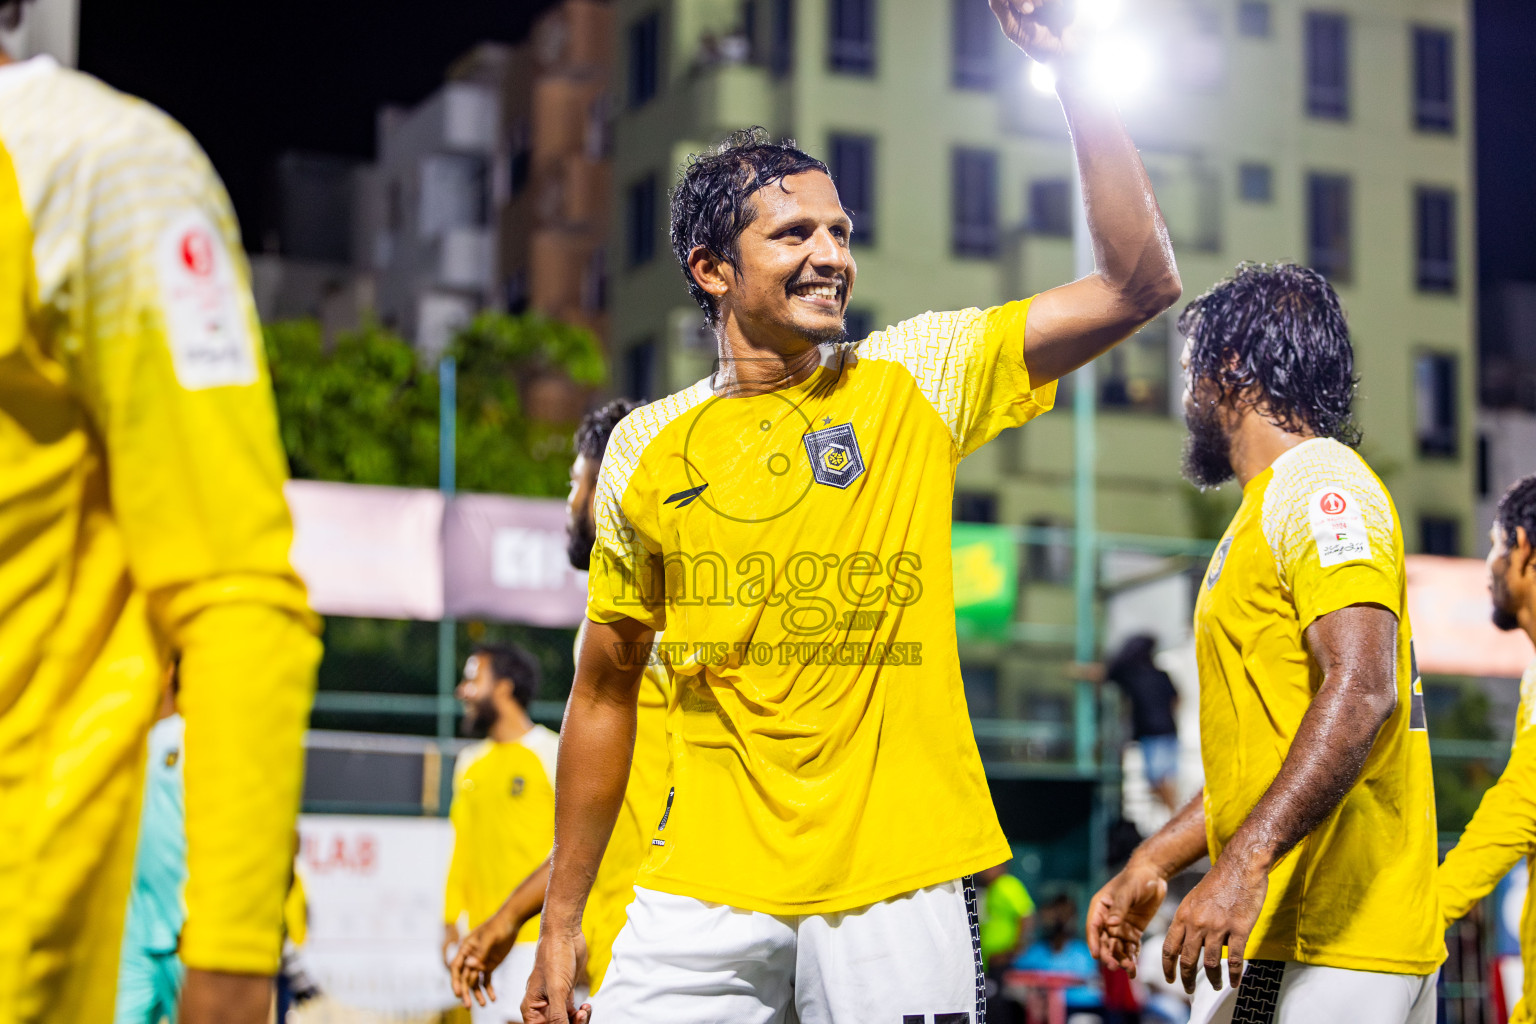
{"x":1288,"y":992}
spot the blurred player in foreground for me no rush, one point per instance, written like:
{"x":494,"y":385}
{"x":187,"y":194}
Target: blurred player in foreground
{"x":1504,"y":828}
{"x":1318,"y":810}
{"x":644,"y":797}
{"x":787,"y":522}
{"x":149,"y":981}
{"x":503,"y":810}
{"x":141,"y":511}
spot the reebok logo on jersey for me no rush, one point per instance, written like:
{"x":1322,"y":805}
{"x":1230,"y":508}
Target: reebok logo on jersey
{"x":835,"y":457}
{"x":1338,"y":527}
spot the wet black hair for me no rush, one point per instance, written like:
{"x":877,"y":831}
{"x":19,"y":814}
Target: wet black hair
{"x":1518,"y":508}
{"x":516,"y":666}
{"x":597,"y":426}
{"x":711,"y":203}
{"x":1277,"y":328}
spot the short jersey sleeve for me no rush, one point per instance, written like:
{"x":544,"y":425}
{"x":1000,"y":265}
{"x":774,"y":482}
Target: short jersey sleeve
{"x":970,"y":366}
{"x":623,"y":579}
{"x":1333,"y":531}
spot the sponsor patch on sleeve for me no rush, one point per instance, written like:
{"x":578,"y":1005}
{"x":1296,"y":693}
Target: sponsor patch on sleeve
{"x":206,"y":323}
{"x":1338,"y":527}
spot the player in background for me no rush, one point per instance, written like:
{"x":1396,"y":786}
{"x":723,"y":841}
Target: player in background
{"x":141,"y":512}
{"x":503,"y":809}
{"x":1504,"y":828}
{"x":1318,"y":811}
{"x":644,"y":797}
{"x":787,"y":522}
{"x":149,"y":981}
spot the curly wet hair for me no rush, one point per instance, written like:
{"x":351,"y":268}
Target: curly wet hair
{"x":1277,"y":329}
{"x":1518,"y":508}
{"x":711,"y":203}
{"x":597,"y":426}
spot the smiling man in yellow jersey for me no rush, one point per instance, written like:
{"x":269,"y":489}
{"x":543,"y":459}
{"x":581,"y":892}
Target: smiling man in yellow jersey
{"x":644,"y":797}
{"x":787,"y":522}
{"x":1504,"y":828}
{"x":1318,"y":811}
{"x":141,"y":511}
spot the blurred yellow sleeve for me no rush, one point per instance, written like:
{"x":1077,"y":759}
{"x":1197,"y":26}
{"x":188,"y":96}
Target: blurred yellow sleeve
{"x":1501,"y":832}
{"x":164,"y":348}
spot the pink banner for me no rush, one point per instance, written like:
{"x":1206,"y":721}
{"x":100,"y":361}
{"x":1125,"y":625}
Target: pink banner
{"x":505,"y":559}
{"x":372,"y":552}
{"x":1453,"y":633}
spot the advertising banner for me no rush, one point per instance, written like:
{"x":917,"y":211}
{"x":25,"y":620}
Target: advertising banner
{"x":1453,"y":633}
{"x":375,"y":892}
{"x":372,"y":552}
{"x":505,"y":559}
{"x":986,"y":568}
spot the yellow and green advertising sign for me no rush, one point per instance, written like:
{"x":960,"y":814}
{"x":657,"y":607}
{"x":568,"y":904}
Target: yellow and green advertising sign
{"x":986,"y":563}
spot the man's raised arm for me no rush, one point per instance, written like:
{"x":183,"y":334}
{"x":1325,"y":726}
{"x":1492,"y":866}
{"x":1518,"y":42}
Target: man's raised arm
{"x":597,"y":741}
{"x":1134,"y":276}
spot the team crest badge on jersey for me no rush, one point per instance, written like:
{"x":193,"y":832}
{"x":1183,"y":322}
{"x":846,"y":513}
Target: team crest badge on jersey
{"x":835,"y":457}
{"x":1218,"y":561}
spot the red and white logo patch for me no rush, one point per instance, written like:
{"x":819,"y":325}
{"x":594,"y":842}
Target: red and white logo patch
{"x":197,"y":251}
{"x":208,"y":320}
{"x":1338,"y":527}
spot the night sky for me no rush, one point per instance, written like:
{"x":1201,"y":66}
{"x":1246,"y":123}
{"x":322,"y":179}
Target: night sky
{"x":253,"y":79}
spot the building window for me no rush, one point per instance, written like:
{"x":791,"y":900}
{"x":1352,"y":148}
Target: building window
{"x":517,"y":291}
{"x":973,"y":47}
{"x":1434,"y":107}
{"x":858,"y":324}
{"x":781,"y":36}
{"x":1256,"y":183}
{"x":1435,"y":239}
{"x":974,"y":202}
{"x":640,"y":371}
{"x":980,"y":685}
{"x":594,"y":282}
{"x":1253,"y":19}
{"x":1135,"y":377}
{"x":853,"y":171}
{"x":1327,"y":61}
{"x":520,"y":163}
{"x":852,"y":41}
{"x":1050,"y":207}
{"x":1328,"y":226}
{"x":1435,"y":402}
{"x":1047,"y":562}
{"x":641,"y":221}
{"x":975,"y":507}
{"x":1484,"y":469}
{"x":644,"y":59}
{"x":1440,"y":535}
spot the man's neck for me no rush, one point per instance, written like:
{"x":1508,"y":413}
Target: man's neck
{"x":511,"y":725}
{"x":749,"y":366}
{"x":1257,"y":443}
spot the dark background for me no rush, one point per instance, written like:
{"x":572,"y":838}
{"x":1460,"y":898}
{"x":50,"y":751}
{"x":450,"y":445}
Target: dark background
{"x":253,"y":79}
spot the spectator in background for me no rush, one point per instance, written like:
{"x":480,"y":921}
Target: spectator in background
{"x":1061,"y":950}
{"x":1006,"y":914}
{"x":1154,"y":702}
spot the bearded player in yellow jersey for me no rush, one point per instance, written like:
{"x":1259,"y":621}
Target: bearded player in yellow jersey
{"x":479,"y":955}
{"x":141,"y":511}
{"x":787,"y":522}
{"x":1504,"y":828}
{"x":1318,"y":809}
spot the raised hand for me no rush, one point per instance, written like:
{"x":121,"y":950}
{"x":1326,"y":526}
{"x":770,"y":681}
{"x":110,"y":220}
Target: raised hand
{"x":1043,"y":29}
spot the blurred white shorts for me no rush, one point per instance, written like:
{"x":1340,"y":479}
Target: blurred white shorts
{"x":914,"y":959}
{"x":1287,"y":992}
{"x":510,"y":980}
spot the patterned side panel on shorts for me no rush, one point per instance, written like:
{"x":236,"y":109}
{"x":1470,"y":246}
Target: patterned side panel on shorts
{"x":974,"y":916}
{"x":1259,"y":993}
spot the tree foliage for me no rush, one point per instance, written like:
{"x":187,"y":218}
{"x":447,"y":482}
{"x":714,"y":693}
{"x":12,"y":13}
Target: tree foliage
{"x":365,"y":410}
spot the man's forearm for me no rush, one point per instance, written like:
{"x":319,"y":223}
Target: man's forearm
{"x":1331,"y":745}
{"x":1177,"y":844}
{"x":597,"y":741}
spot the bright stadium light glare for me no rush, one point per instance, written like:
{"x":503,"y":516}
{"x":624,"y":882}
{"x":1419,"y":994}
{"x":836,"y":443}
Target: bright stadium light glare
{"x":1119,"y":66}
{"x":1097,"y":15}
{"x":1042,"y":77}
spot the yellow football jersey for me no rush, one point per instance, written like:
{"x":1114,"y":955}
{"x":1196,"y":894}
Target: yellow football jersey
{"x":1501,"y":832}
{"x":503,"y":816}
{"x":795,"y":548}
{"x":141,"y":511}
{"x":1317,"y":532}
{"x":645,"y":800}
